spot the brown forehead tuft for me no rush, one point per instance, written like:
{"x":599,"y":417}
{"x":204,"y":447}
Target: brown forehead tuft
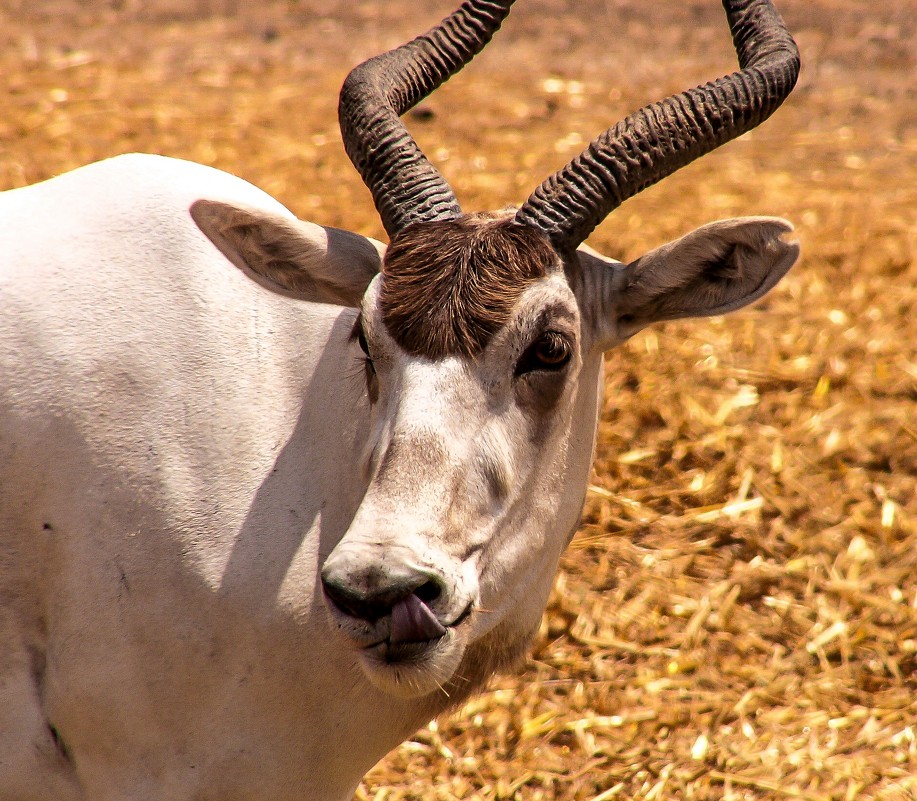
{"x":448,"y":286}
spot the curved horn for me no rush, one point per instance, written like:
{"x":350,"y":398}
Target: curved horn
{"x":406,"y":188}
{"x":665,"y":136}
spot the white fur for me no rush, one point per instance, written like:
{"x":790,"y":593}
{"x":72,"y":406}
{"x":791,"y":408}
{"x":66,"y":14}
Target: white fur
{"x":182,"y":448}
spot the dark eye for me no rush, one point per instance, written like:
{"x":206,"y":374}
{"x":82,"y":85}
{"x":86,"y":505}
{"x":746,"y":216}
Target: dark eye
{"x":368,"y":365}
{"x":550,"y":351}
{"x":361,"y":340}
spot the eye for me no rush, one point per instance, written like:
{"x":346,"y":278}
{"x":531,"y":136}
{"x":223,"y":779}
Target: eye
{"x":368,"y":367}
{"x":361,"y":340}
{"x":550,"y":352}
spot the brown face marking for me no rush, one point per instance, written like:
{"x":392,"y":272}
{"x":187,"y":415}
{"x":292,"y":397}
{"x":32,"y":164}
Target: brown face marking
{"x":448,"y":286}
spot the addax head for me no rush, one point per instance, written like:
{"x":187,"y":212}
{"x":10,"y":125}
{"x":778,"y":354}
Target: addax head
{"x":482,"y":338}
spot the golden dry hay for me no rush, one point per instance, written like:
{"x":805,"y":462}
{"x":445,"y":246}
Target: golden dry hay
{"x":737,"y":618}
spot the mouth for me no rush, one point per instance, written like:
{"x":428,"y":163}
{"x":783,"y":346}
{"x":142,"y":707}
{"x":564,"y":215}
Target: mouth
{"x":409,"y":626}
{"x":408,"y":652}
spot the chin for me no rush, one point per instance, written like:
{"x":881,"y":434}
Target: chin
{"x":413,"y":670}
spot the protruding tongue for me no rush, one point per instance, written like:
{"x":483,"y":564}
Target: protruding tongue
{"x":414,"y":621}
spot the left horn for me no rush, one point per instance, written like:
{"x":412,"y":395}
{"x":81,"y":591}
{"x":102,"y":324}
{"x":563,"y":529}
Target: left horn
{"x":406,"y":188}
{"x":665,"y":136}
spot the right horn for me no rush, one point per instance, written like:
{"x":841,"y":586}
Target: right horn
{"x":665,"y":136}
{"x":406,"y":187}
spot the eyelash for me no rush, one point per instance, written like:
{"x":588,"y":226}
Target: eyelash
{"x":365,"y":359}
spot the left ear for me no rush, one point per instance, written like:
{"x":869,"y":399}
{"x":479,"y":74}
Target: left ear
{"x":718,"y":268}
{"x":294,"y":257}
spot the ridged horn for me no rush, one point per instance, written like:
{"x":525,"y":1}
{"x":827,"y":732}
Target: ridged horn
{"x":405,"y":186}
{"x":665,"y":136}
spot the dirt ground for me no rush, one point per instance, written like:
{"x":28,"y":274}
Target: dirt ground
{"x":737,"y":618}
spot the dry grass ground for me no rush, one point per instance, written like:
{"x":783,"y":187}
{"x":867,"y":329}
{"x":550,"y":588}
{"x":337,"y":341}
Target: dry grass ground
{"x":737,"y":617}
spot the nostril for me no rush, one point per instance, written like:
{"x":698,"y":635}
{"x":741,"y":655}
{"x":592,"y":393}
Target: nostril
{"x":354,"y":603}
{"x":367,"y":600}
{"x":429,"y":591}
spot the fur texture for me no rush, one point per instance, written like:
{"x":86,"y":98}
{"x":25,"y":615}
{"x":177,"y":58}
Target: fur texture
{"x":449,"y":286}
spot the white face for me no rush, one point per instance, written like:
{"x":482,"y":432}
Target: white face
{"x":458,"y":533}
{"x":477,"y":467}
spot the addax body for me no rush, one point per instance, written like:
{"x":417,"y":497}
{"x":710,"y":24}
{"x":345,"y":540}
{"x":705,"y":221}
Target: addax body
{"x":273,"y":495}
{"x":162,"y":516}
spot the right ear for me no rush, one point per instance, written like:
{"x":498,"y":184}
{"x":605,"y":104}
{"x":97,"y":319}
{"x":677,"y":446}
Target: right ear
{"x":302,"y":259}
{"x":718,"y":268}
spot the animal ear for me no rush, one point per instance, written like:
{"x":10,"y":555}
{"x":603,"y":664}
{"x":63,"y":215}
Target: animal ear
{"x":718,"y":268}
{"x":298,"y":258}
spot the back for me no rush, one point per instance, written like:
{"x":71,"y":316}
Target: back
{"x":125,"y":332}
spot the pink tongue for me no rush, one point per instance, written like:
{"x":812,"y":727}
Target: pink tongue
{"x":413,"y":621}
